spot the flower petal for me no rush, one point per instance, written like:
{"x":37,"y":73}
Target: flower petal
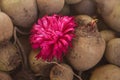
{"x":53,"y":35}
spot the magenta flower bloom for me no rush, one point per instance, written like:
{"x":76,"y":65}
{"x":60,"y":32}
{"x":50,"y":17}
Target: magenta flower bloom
{"x":53,"y":35}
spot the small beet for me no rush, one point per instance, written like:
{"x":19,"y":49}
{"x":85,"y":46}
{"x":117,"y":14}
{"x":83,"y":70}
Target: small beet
{"x":39,"y":67}
{"x":85,"y":7}
{"x":61,"y":73}
{"x":6,"y":27}
{"x":112,"y":53}
{"x":106,"y":72}
{"x":23,"y":13}
{"x":107,"y":35}
{"x":47,"y":7}
{"x":9,"y":58}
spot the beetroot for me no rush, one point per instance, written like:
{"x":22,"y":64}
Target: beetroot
{"x":6,"y":27}
{"x":88,"y":46}
{"x":61,"y":73}
{"x":9,"y":57}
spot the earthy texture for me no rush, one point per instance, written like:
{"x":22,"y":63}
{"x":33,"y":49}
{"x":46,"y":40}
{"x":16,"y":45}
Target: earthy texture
{"x":39,"y":67}
{"x":109,"y":10}
{"x":22,"y":12}
{"x":106,"y":72}
{"x":9,"y":58}
{"x":113,"y":51}
{"x":107,"y":35}
{"x":6,"y":27}
{"x":63,"y":72}
{"x":47,"y":7}
{"x":88,"y":46}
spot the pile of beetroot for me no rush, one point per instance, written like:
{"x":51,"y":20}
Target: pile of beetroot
{"x":59,"y":40}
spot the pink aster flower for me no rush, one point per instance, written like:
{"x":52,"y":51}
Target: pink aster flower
{"x":53,"y":35}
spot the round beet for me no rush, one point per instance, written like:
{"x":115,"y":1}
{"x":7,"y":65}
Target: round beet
{"x":6,"y":27}
{"x":109,"y":10}
{"x":22,"y":12}
{"x":63,"y":72}
{"x":86,"y":7}
{"x":39,"y":67}
{"x":107,"y":35}
{"x":113,"y":51}
{"x":50,"y":6}
{"x":106,"y":72}
{"x":9,"y":58}
{"x":88,"y":46}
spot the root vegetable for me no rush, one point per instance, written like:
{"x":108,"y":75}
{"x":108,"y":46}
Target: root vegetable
{"x":113,"y":51}
{"x":86,"y":7}
{"x":110,"y":11}
{"x":61,"y":73}
{"x":22,"y":12}
{"x":106,"y":72}
{"x":6,"y":27}
{"x":50,"y":6}
{"x":88,"y":46}
{"x":107,"y":35}
{"x":39,"y":67}
{"x":9,"y":58}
